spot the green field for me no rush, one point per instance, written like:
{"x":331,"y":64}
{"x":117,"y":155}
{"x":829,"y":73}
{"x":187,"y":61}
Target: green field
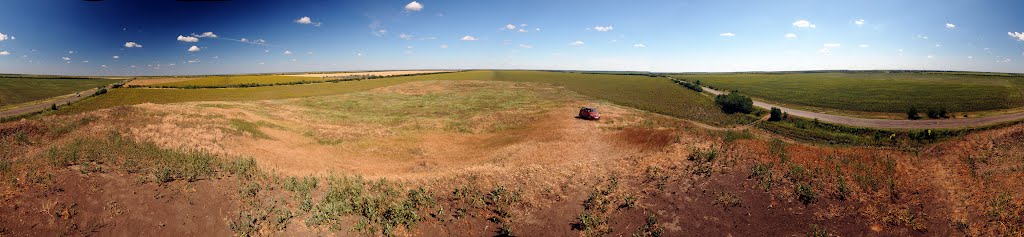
{"x":20,"y":90}
{"x":235,"y":81}
{"x":653,"y":94}
{"x":876,"y":91}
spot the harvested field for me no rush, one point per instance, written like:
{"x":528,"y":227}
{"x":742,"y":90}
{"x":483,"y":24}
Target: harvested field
{"x":377,"y":73}
{"x":154,"y":81}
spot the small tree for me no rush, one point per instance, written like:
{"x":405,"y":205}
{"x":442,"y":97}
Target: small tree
{"x":735,"y":103}
{"x":53,"y":106}
{"x":913,"y":114}
{"x":775,"y":114}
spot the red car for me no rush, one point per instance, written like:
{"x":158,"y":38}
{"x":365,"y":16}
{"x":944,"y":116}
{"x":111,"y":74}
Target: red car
{"x":589,"y":113}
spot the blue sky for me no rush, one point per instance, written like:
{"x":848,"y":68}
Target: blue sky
{"x":93,"y":38}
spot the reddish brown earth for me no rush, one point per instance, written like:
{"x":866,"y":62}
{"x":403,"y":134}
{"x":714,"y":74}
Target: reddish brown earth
{"x":553,"y":163}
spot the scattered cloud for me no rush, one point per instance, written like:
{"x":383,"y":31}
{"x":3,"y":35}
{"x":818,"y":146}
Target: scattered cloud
{"x":922,"y":37}
{"x":603,"y":28}
{"x":189,"y":61}
{"x":825,"y":51}
{"x":510,"y":27}
{"x":444,"y":46}
{"x":468,"y":38}
{"x":286,"y":52}
{"x":5,"y":37}
{"x":950,"y":25}
{"x":576,"y":43}
{"x":525,"y":46}
{"x":116,"y":57}
{"x":859,"y":22}
{"x":804,"y":24}
{"x":193,"y":48}
{"x":244,"y":40}
{"x":863,"y":45}
{"x":305,"y":20}
{"x":103,"y":66}
{"x":205,"y":35}
{"x":727,"y":34}
{"x":65,"y":58}
{"x":931,"y":56}
{"x":639,"y":46}
{"x":1005,"y":60}
{"x":130,"y":44}
{"x":405,"y":36}
{"x":790,"y":36}
{"x":413,"y":7}
{"x":5,"y":53}
{"x":938,"y":45}
{"x":832,"y":45}
{"x":189,"y":39}
{"x":522,"y":30}
{"x":970,"y":57}
{"x":1017,"y":35}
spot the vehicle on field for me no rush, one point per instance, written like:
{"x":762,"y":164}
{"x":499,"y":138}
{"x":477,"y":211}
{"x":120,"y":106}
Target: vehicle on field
{"x":589,"y":113}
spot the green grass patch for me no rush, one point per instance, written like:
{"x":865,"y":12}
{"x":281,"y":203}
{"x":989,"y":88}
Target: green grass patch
{"x":14,"y":90}
{"x":874,"y":91}
{"x":134,"y":157}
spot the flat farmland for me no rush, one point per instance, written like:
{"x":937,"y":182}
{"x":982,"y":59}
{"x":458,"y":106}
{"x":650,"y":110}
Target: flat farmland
{"x":250,"y":80}
{"x":20,"y":90}
{"x":653,"y":94}
{"x":876,"y":91}
{"x":375,"y":73}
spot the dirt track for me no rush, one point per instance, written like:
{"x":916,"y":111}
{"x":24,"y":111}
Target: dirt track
{"x":888,"y":123}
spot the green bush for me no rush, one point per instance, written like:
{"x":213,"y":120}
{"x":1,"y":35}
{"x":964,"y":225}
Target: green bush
{"x":776,"y":114}
{"x":735,"y":103}
{"x":913,"y":114}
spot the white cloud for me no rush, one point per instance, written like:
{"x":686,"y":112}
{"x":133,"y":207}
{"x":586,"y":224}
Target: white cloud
{"x":790,"y":36}
{"x":859,"y":22}
{"x":66,"y":58}
{"x":825,"y":51}
{"x":1017,"y":35}
{"x":444,"y":46}
{"x":205,"y":35}
{"x":405,"y":36}
{"x":189,"y":39}
{"x":603,"y":28}
{"x":576,"y":43}
{"x":130,"y":44}
{"x":116,"y":57}
{"x":5,"y":37}
{"x":639,"y":46}
{"x":970,"y":57}
{"x":864,"y":45}
{"x":468,"y":38}
{"x":304,"y":20}
{"x":1005,"y":61}
{"x":5,"y":53}
{"x":244,"y":40}
{"x":193,"y":48}
{"x":938,"y":45}
{"x":804,"y":24}
{"x":413,"y":7}
{"x":950,"y":25}
{"x":931,"y":56}
{"x":525,"y":46}
{"x":103,"y":66}
{"x":522,"y":30}
{"x":189,"y":61}
{"x":536,"y":29}
{"x":286,"y":52}
{"x":727,"y":34}
{"x":510,"y":27}
{"x":832,"y":45}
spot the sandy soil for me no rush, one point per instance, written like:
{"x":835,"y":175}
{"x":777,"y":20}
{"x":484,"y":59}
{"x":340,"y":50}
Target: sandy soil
{"x":345,"y":74}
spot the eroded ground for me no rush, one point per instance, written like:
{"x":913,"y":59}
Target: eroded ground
{"x":472,"y":158}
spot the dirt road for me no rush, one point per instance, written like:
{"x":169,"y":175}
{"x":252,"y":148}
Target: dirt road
{"x":30,"y":108}
{"x":888,"y":123}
